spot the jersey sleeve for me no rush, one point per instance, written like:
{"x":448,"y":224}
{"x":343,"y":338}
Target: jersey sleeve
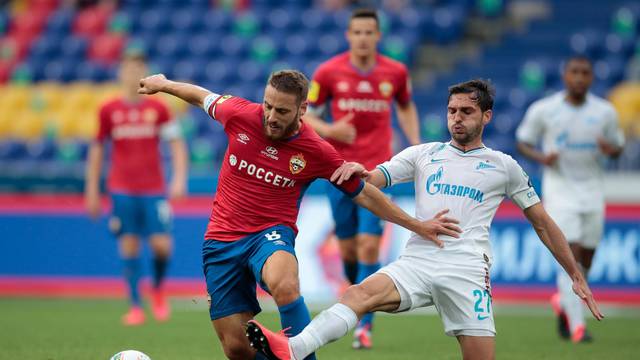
{"x":222,"y":108}
{"x":403,"y":95}
{"x":530,"y":129}
{"x":320,"y":88}
{"x":402,"y":167}
{"x":612,"y":132}
{"x":332,"y":161}
{"x":519,"y":187}
{"x":104,"y":124}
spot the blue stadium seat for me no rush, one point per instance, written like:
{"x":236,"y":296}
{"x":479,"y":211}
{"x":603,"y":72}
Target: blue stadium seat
{"x":609,"y":70}
{"x":171,"y":45}
{"x":187,"y":19}
{"x":87,"y":70}
{"x":60,"y":70}
{"x":154,"y":20}
{"x":331,"y":44}
{"x":46,"y":47}
{"x":589,"y":43}
{"x":619,"y":46}
{"x":42,"y":150}
{"x":250,"y":71}
{"x":217,"y":23}
{"x":12,"y":150}
{"x":221,"y":72}
{"x":60,"y":21}
{"x":317,"y":20}
{"x":447,"y":25}
{"x":203,"y":46}
{"x":74,"y":47}
{"x":299,"y":45}
{"x":233,"y":46}
{"x":284,"y":19}
{"x":191,"y":70}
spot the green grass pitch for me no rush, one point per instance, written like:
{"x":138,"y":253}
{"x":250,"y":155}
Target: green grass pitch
{"x":53,"y":329}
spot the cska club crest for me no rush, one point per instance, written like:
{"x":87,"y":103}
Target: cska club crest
{"x":386,"y":88}
{"x":297,"y":164}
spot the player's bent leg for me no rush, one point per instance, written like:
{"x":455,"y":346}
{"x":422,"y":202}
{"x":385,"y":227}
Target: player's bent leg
{"x":477,"y":347}
{"x":280,"y":275}
{"x":231,"y":332}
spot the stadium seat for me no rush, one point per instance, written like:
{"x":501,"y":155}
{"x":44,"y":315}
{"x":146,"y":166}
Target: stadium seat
{"x":41,"y":149}
{"x":316,"y":20}
{"x":91,"y":21}
{"x":46,"y":47}
{"x":187,"y":20}
{"x":106,"y":48}
{"x":247,"y":24}
{"x":12,"y":149}
{"x":264,"y":49}
{"x":589,"y":43}
{"x":233,"y":46}
{"x":27,"y":126}
{"x":189,"y":70}
{"x":74,"y":47}
{"x":216,"y":22}
{"x":60,"y":21}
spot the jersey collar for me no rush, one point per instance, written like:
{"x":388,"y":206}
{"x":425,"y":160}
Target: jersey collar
{"x":462,"y":152}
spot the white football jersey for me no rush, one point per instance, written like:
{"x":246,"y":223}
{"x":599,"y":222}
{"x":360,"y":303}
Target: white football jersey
{"x":575,"y":181}
{"x":470,"y":184}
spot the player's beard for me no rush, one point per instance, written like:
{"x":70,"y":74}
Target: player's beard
{"x":288,"y":131}
{"x":468,"y":135}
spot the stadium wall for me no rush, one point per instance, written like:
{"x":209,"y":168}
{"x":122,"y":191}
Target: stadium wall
{"x":50,"y":248}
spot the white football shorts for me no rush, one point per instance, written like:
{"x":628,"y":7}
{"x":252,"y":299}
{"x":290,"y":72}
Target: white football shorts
{"x":584,"y":228}
{"x":460,"y":291}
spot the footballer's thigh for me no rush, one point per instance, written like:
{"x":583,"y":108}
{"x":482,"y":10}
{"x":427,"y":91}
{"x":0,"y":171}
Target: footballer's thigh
{"x":376,"y":293}
{"x":231,"y":332}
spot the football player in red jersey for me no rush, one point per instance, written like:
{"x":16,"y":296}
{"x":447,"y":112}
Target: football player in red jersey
{"x":271,"y":159}
{"x":134,"y":125}
{"x":360,"y":86}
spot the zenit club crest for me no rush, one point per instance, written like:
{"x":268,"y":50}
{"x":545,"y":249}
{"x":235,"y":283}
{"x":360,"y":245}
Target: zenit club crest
{"x":297,"y":164}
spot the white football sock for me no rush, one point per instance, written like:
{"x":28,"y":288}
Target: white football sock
{"x":570,"y":302}
{"x":328,"y":326}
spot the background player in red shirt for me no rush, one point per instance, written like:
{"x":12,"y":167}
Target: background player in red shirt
{"x":361,"y":85}
{"x":272,"y":157}
{"x":134,"y":125}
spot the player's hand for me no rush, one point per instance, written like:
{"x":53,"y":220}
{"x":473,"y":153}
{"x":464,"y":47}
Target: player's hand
{"x":581,"y":289}
{"x":92,"y":204}
{"x":177,"y":189}
{"x":607,"y":148}
{"x":550,"y":159}
{"x":440,"y":224}
{"x":152,"y":84}
{"x":342,"y":129}
{"x":347,"y":170}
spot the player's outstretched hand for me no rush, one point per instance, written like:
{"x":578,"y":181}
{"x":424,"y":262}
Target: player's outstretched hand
{"x":550,"y":159}
{"x":343,"y":130}
{"x":152,"y":84}
{"x":581,"y":289}
{"x":92,"y":203}
{"x":607,"y":148}
{"x":440,"y":225}
{"x":177,"y":189}
{"x":347,"y":170}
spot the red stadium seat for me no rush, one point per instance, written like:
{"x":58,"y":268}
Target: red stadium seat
{"x":106,"y":48}
{"x":92,"y":21}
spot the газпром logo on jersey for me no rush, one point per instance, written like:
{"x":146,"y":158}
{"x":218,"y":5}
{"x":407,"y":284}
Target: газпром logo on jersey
{"x":435,"y":186}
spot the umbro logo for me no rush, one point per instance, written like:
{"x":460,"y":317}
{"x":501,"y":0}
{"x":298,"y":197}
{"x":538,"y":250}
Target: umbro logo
{"x":243,"y":138}
{"x":484,"y":166}
{"x":364,"y":87}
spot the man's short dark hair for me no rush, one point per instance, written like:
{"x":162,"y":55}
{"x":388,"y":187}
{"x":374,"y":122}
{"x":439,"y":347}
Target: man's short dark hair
{"x":577,"y":58}
{"x":482,"y":90}
{"x":290,"y":82}
{"x":365,"y":13}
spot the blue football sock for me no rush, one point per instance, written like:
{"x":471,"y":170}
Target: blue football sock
{"x":132,"y":277}
{"x":159,"y":270}
{"x":296,"y":316}
{"x":364,"y":270}
{"x":350,"y":271}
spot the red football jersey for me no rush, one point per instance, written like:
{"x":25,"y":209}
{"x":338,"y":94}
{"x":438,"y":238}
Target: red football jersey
{"x":134,"y":130}
{"x":261,"y":181}
{"x":369,"y":96}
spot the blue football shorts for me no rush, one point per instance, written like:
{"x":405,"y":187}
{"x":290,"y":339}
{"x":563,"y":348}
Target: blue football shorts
{"x":351,"y":219}
{"x":141,"y":215}
{"x":232,"y":269}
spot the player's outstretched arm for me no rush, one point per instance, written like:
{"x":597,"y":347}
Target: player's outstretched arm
{"x":349,"y":169}
{"x":552,"y":237}
{"x":190,"y":93}
{"x":378,"y":203}
{"x":530,"y":151}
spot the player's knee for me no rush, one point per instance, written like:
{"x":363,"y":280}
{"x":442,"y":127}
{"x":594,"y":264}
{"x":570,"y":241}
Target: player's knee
{"x":237,"y":349}
{"x":285,"y":291}
{"x":368,"y":252}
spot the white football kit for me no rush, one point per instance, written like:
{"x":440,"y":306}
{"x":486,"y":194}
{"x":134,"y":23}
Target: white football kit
{"x":573,"y":188}
{"x":471,"y":185}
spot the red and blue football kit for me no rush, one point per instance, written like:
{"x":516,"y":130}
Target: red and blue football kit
{"x":254,"y":214}
{"x":135,"y":180}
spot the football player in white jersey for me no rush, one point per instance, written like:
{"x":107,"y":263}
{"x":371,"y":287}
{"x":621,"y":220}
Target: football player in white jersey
{"x":469,"y":181}
{"x":578,"y":130}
